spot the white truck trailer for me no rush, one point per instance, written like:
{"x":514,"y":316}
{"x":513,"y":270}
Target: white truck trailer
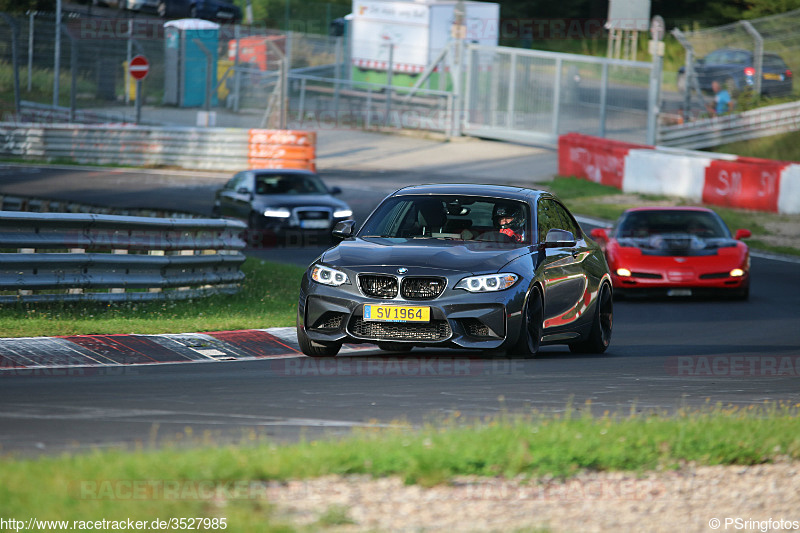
{"x":413,"y":33}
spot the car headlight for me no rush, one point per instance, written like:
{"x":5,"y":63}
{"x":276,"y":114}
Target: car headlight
{"x":488,"y":283}
{"x":343,"y":213}
{"x":277,"y":212}
{"x":328,"y":276}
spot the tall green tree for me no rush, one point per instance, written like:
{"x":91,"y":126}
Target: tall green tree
{"x":763,"y":8}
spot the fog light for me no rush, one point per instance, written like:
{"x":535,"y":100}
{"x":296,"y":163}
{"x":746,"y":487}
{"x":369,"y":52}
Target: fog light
{"x":623,"y":272}
{"x":737,"y":273}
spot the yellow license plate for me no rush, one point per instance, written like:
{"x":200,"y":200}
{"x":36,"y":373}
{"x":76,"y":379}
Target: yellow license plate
{"x":396,"y":313}
{"x":770,"y":76}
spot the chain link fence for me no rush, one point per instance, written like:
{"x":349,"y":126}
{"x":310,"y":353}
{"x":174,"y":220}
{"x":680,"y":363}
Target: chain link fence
{"x":528,"y":95}
{"x":750,"y":58}
{"x":278,"y":79}
{"x":94,"y":55}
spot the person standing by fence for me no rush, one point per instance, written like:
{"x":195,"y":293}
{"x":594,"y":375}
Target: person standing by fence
{"x":722,"y":101}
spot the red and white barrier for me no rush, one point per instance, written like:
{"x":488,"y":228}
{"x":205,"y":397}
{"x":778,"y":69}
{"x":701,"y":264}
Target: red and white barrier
{"x":789,"y":195}
{"x":717,"y":179}
{"x":593,"y":158}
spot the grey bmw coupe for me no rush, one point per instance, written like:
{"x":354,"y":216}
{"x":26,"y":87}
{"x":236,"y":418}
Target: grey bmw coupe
{"x":485,"y":267}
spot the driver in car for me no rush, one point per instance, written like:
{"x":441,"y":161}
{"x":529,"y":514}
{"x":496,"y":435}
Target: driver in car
{"x":509,"y":220}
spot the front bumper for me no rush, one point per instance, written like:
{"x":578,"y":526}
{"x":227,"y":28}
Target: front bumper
{"x":482,"y":321}
{"x":710,"y":272}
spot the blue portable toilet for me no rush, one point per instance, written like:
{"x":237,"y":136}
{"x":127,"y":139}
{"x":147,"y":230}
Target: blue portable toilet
{"x":188,"y":44}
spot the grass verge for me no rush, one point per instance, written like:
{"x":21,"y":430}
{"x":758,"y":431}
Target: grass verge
{"x":783,"y":147}
{"x":601,"y":201}
{"x":213,"y":482}
{"x":268,"y":298}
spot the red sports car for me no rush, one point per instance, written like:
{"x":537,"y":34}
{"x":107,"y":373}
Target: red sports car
{"x":677,"y":251}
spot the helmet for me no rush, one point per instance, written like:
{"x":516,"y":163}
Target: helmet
{"x":514,"y":212}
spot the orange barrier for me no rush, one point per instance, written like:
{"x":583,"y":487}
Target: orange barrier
{"x":294,"y":149}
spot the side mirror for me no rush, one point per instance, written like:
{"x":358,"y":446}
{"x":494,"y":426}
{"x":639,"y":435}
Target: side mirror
{"x":335,"y":190}
{"x":344,"y":229}
{"x":245,"y":191}
{"x":742,"y":234}
{"x":559,"y":238}
{"x":601,"y":234}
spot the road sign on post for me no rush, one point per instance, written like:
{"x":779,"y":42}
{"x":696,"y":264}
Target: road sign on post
{"x":138,"y":69}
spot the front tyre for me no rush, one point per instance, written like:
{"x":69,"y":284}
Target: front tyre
{"x":312,"y":348}
{"x":600,"y":336}
{"x":530,"y":334}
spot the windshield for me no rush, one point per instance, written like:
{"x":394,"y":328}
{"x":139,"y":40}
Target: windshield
{"x":450,"y":217}
{"x":289,"y":184}
{"x":644,"y":224}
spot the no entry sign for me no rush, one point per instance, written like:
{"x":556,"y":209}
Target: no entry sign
{"x":139,"y":67}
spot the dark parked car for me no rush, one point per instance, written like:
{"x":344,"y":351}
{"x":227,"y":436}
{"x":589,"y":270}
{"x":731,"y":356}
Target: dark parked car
{"x":280,"y":201}
{"x":465,"y":266}
{"x":735,"y":70}
{"x":132,"y":5}
{"x":215,"y":10}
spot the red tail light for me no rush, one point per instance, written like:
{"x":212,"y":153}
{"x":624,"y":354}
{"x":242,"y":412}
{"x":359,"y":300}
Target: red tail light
{"x":788,"y":73}
{"x":749,"y":71}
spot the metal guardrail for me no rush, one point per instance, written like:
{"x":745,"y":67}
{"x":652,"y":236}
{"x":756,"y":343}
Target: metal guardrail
{"x":47,"y":114}
{"x":225,"y":149}
{"x":77,"y":256}
{"x":115,"y":144}
{"x":704,"y":133}
{"x":9,"y":202}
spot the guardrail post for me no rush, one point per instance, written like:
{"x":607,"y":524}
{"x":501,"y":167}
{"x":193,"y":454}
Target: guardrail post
{"x":603,"y":99}
{"x":57,"y":55}
{"x":512,"y":91}
{"x":31,"y":27}
{"x":14,"y":62}
{"x":556,"y":98}
{"x":758,"y":56}
{"x":654,"y":95}
{"x":369,"y":107}
{"x":337,"y":72}
{"x":237,"y":76}
{"x":73,"y":70}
